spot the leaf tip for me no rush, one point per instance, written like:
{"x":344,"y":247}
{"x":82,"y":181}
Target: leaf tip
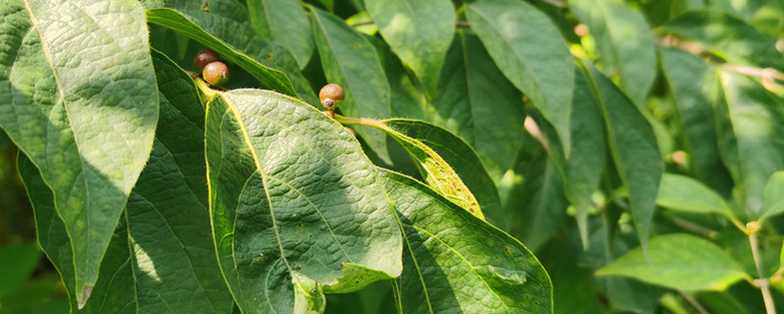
{"x":81,"y":298}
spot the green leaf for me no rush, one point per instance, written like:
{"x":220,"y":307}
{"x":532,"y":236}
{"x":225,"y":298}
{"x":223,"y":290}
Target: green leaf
{"x":18,"y":261}
{"x":350,"y":60}
{"x":79,"y":98}
{"x":297,"y":209}
{"x":757,"y":121}
{"x":634,"y":151}
{"x":773,"y":196}
{"x":419,"y":32}
{"x":543,"y":71}
{"x":689,"y":77}
{"x":444,"y":161}
{"x":249,"y":59}
{"x":625,"y":42}
{"x":110,"y":294}
{"x":679,"y":261}
{"x":728,"y":37}
{"x":285,"y":23}
{"x":455,"y":262}
{"x":167,"y":259}
{"x":685,"y":194}
{"x":477,"y":103}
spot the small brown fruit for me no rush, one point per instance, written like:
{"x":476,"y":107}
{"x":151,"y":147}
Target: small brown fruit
{"x":215,"y":73}
{"x":330,"y":94}
{"x":204,"y":57}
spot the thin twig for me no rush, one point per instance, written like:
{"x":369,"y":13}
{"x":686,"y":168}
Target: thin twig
{"x":690,"y":226}
{"x":762,"y":282}
{"x":693,"y":302}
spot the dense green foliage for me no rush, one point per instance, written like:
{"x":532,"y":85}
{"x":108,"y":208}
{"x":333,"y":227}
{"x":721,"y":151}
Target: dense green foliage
{"x":482,"y":156}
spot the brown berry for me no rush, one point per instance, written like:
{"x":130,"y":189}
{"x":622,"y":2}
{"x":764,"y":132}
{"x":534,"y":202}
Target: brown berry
{"x":215,"y":73}
{"x":330,"y":94}
{"x":204,"y":57}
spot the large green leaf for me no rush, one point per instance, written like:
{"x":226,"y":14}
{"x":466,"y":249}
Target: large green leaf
{"x":296,"y":208}
{"x":78,"y":96}
{"x":689,"y":79}
{"x":455,"y":262}
{"x":419,"y":32}
{"x":285,"y":23}
{"x":625,"y":42}
{"x":350,"y":60}
{"x":476,"y":102}
{"x":679,"y":261}
{"x":728,"y":37}
{"x":757,"y":121}
{"x":773,"y":196}
{"x":530,"y":51}
{"x":634,"y":151}
{"x":225,"y":27}
{"x":685,"y":194}
{"x":164,"y":257}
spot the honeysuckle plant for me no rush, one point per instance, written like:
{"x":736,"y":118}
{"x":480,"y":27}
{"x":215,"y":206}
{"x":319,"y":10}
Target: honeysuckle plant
{"x":486,"y":156}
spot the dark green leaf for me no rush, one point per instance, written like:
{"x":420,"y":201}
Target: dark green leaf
{"x":544,"y":71}
{"x":18,"y":261}
{"x":688,"y":77}
{"x":679,"y":261}
{"x":625,"y":42}
{"x":634,"y":150}
{"x":773,"y":196}
{"x":285,"y":23}
{"x":350,"y":60}
{"x":728,"y":37}
{"x":478,"y":104}
{"x":78,"y":96}
{"x":419,"y":32}
{"x":456,"y":262}
{"x":296,"y":208}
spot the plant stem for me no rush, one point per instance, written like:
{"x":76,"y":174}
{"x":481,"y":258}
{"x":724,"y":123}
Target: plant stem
{"x":762,"y":282}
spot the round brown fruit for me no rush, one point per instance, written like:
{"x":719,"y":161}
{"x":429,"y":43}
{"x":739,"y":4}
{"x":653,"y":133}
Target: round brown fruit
{"x":204,"y":57}
{"x":331,"y":94}
{"x":215,"y":73}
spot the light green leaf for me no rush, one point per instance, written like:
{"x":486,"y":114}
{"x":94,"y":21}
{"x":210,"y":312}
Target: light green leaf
{"x":544,"y":71}
{"x":419,"y":32}
{"x":456,"y":262}
{"x":625,"y":43}
{"x":18,"y":261}
{"x":679,"y":261}
{"x":285,"y":23}
{"x":757,"y":122}
{"x":634,"y":151}
{"x":172,"y":265}
{"x":350,"y":60}
{"x":253,"y":54}
{"x":689,"y":79}
{"x":477,"y":103}
{"x":728,"y":37}
{"x":297,"y":209}
{"x":79,"y":98}
{"x":773,"y":196}
{"x":685,"y":194}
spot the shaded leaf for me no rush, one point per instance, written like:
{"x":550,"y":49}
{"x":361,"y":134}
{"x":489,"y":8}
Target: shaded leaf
{"x":18,"y":261}
{"x":728,"y":37}
{"x":689,"y":78}
{"x":625,"y":43}
{"x":350,"y":60}
{"x":419,"y":32}
{"x":455,"y":262}
{"x":285,"y":23}
{"x":634,"y":151}
{"x":543,"y":71}
{"x":773,"y":196}
{"x":297,"y":209}
{"x":679,"y":261}
{"x":477,"y":103}
{"x":685,"y":194}
{"x":79,"y":98}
